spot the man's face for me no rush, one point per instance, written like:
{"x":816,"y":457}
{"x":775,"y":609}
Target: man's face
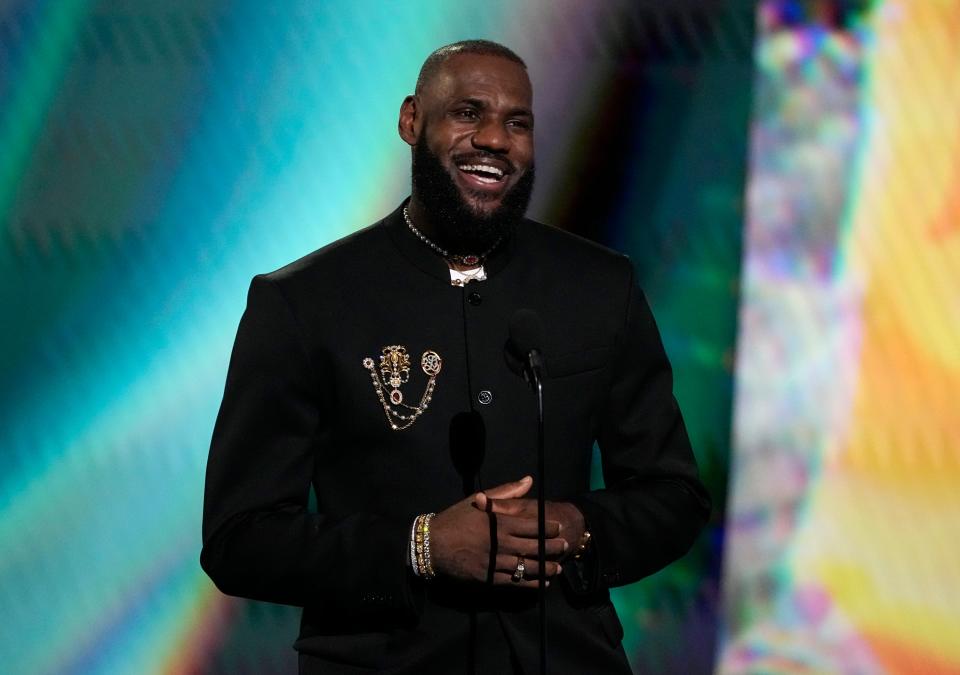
{"x":473,"y":149}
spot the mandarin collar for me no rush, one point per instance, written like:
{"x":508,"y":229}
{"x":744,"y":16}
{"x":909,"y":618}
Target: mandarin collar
{"x":428,"y":260}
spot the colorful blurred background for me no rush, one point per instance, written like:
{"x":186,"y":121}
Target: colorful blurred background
{"x":785,"y":176}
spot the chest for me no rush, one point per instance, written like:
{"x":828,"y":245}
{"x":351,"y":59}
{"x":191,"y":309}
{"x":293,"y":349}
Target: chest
{"x":417,"y":390}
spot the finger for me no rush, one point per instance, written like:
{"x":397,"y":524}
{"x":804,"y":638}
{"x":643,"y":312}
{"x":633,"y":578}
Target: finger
{"x":514,"y":507}
{"x":512,"y":490}
{"x":504,"y":579}
{"x":508,"y":564}
{"x":554,"y":548}
{"x":527,"y":527}
{"x":481,"y":502}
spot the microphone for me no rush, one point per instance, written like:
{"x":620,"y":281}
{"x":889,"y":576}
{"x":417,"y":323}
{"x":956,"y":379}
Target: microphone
{"x":522,"y":351}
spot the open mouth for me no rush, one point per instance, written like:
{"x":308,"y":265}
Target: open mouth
{"x":484,"y":174}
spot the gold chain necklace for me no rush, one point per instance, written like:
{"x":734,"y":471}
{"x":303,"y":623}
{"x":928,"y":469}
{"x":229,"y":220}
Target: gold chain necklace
{"x":468,"y":260}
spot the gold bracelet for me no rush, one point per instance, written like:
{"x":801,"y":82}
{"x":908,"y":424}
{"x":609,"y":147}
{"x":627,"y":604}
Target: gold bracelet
{"x":421,"y":542}
{"x":428,"y":561}
{"x":418,"y":547}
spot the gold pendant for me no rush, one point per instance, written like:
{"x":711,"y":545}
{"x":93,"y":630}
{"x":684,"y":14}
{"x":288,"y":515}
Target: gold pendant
{"x":394,"y":372}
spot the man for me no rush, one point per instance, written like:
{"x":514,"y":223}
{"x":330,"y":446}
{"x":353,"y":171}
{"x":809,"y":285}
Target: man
{"x":374,"y":370}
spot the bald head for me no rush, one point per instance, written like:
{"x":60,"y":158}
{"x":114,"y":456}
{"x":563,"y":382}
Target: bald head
{"x":435,"y":62}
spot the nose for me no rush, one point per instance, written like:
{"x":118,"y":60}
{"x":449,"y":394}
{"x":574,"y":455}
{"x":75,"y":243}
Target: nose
{"x":492,"y":136}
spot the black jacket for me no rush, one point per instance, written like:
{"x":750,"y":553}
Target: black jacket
{"x":300,"y":409}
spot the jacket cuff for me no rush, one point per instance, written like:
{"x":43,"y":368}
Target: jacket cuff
{"x":398,"y":590}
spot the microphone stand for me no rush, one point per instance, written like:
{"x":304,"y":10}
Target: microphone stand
{"x":535,"y":363}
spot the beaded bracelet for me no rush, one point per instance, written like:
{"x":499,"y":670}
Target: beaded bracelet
{"x":413,"y":549}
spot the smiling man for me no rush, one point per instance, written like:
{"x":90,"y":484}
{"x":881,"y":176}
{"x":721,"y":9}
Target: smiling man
{"x":471,"y":125}
{"x":374,"y":371}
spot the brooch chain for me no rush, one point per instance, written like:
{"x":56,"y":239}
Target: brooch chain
{"x":393,"y":372}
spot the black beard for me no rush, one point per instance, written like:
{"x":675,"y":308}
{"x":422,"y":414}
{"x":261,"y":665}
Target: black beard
{"x":458,"y":227}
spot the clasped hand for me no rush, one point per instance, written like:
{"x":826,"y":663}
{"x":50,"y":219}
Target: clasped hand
{"x":460,"y":535}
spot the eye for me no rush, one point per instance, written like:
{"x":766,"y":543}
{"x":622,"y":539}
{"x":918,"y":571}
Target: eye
{"x":466,"y":114}
{"x":519,"y":124}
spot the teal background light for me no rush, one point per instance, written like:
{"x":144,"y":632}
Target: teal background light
{"x":157,"y":155}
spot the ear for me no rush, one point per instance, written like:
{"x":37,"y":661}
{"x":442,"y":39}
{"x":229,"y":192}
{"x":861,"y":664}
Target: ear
{"x":411,"y":120}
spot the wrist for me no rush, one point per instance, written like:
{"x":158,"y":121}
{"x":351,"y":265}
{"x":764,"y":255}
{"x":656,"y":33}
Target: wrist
{"x":583,"y":545}
{"x":574,"y":528}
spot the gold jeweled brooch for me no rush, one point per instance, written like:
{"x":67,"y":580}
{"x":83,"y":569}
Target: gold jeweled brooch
{"x":394,"y":372}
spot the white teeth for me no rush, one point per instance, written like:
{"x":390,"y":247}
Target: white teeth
{"x":482,"y":167}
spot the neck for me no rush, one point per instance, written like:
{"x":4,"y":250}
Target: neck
{"x":417,"y":218}
{"x":425,"y":225}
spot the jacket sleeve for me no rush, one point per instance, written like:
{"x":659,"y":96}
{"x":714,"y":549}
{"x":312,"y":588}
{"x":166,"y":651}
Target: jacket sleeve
{"x":653,"y":504}
{"x":259,"y":539}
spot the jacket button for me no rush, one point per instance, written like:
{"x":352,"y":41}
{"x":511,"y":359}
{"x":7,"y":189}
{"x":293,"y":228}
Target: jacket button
{"x":485,"y":397}
{"x":474,"y":298}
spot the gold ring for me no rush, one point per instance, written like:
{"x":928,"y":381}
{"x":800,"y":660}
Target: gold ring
{"x":518,"y":573}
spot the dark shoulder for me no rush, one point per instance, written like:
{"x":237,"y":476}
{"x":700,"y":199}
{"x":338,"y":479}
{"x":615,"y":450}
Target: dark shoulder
{"x":322,"y":273}
{"x":549,"y":245}
{"x":330,"y":258}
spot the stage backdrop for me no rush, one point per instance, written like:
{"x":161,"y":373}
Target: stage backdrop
{"x":156,"y":155}
{"x":843,"y":551}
